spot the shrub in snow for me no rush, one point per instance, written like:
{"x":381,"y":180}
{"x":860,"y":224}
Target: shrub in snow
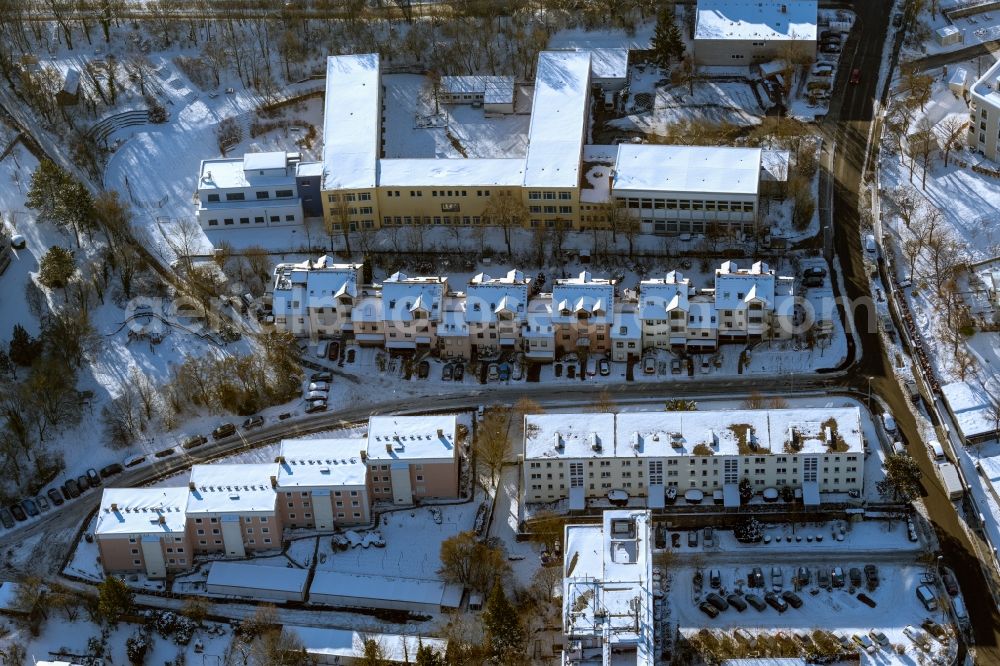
{"x":749,"y":531}
{"x":136,"y":647}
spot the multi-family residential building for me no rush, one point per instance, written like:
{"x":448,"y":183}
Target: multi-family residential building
{"x":577,"y":457}
{"x":582,"y":313}
{"x":745,"y":32}
{"x":626,"y":333}
{"x":496,"y":311}
{"x":538,"y":334}
{"x":315,"y":298}
{"x":664,"y":309}
{"x":607,"y":611}
{"x":256,"y":190}
{"x":322,"y":484}
{"x":144,"y":530}
{"x":984,"y":114}
{"x":411,"y":458}
{"x":231,"y":509}
{"x":366,"y":321}
{"x":454,"y":341}
{"x":752,"y":303}
{"x":412,"y":309}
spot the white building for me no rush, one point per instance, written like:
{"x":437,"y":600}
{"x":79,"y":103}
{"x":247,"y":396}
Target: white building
{"x":683,"y":189}
{"x":496,"y":310}
{"x":344,"y":647}
{"x":143,"y":529}
{"x":607,"y":591}
{"x":351,"y":590}
{"x":494,"y":93}
{"x":577,"y":457}
{"x":315,"y":298}
{"x":255,"y":191}
{"x":411,"y":310}
{"x":252,"y":581}
{"x":745,"y":32}
{"x":984,"y":113}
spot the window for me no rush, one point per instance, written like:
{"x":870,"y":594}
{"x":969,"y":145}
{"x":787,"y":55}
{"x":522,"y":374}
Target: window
{"x":212,"y":198}
{"x":285,"y":194}
{"x":289,"y":218}
{"x":263,"y":195}
{"x":276,"y":218}
{"x":258,"y":220}
{"x":244,"y":220}
{"x":213,"y":223}
{"x":565,"y":196}
{"x":228,"y":221}
{"x":235,"y":196}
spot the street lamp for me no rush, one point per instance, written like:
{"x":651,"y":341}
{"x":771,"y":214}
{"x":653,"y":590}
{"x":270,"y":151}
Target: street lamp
{"x":869,"y":378}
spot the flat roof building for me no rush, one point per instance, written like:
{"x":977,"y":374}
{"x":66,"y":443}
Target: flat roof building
{"x":352,"y":118}
{"x":744,"y":32}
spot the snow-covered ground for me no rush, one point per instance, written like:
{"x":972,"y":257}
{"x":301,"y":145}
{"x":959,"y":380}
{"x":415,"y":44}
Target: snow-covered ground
{"x":977,"y":28}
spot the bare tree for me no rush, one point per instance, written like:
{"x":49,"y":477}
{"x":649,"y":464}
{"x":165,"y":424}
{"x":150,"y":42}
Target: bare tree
{"x":339,"y":220}
{"x":492,"y":443}
{"x":506,"y":211}
{"x":922,"y":144}
{"x":186,"y":240}
{"x":953,"y":130}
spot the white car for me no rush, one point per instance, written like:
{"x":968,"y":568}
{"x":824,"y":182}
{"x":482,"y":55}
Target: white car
{"x":319,"y":386}
{"x":312,"y":396}
{"x":889,"y":423}
{"x":870,"y":246}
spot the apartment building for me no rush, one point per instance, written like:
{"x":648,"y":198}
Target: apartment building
{"x":143,"y":530}
{"x":412,"y":309}
{"x":315,"y":298}
{"x":745,"y":32}
{"x":626,"y":333}
{"x":538,"y":335}
{"x":231,"y":509}
{"x":367,"y":321}
{"x":582,"y":313}
{"x":496,"y":311}
{"x":254,"y":191}
{"x":607,"y":596}
{"x":411,"y":458}
{"x":752,"y":303}
{"x":322,"y":484}
{"x":577,"y":457}
{"x":984,"y":114}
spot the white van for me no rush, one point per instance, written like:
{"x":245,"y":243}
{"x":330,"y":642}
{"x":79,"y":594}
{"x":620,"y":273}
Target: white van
{"x":927,"y":598}
{"x":936,"y":449}
{"x":322,"y":347}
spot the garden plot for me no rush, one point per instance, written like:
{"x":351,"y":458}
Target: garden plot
{"x":412,"y":543}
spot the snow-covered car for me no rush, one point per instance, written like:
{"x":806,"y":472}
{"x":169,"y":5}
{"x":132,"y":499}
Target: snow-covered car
{"x":880,"y":638}
{"x":649,"y":365}
{"x":864,"y":643}
{"x":493,"y":372}
{"x":436,"y":515}
{"x":319,"y":386}
{"x":18,"y":242}
{"x":889,"y":422}
{"x":870,"y":246}
{"x":604,"y":367}
{"x":315,"y":395}
{"x":317,"y":406}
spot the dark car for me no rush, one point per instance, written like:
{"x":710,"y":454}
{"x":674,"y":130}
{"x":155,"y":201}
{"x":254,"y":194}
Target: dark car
{"x":93,"y":477}
{"x":71,"y":489}
{"x":447,"y":372}
{"x":459,"y":372}
{"x":755,"y":601}
{"x":871,"y":576}
{"x":7,"y":518}
{"x":717,"y":601}
{"x":55,"y":496}
{"x":224,"y":430}
{"x":855,"y":76}
{"x":736,"y":601}
{"x":776,"y":602}
{"x":253,"y":422}
{"x":321,"y":377}
{"x":949,"y":584}
{"x":83,"y":482}
{"x":793,"y":599}
{"x":30,"y":507}
{"x":18,"y":512}
{"x":756,"y":578}
{"x":194,"y":442}
{"x":111,"y":470}
{"x":855,"y":575}
{"x":708,"y":609}
{"x":350,"y":356}
{"x":814,"y":271}
{"x":423,"y":369}
{"x":802,"y":576}
{"x":692,"y":538}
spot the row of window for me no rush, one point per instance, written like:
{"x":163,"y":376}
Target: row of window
{"x":360,"y":196}
{"x":258,"y":219}
{"x":535,"y":195}
{"x":261,"y":195}
{"x":447,"y":220}
{"x":759,"y":460}
{"x":434,"y":193}
{"x":551,"y":210}
{"x":686,"y":204}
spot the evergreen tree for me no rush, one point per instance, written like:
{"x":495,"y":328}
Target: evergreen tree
{"x":426,"y":656}
{"x":56,"y":267}
{"x":902,"y":479}
{"x":24,"y":349}
{"x":505,"y":636}
{"x":114,"y":599}
{"x":61,"y":199}
{"x":42,"y":192}
{"x":667,"y":44}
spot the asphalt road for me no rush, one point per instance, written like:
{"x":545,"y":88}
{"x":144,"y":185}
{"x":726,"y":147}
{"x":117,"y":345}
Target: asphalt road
{"x":849,"y":124}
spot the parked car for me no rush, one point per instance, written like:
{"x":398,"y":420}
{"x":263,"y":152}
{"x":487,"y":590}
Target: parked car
{"x":871,"y":576}
{"x":708,"y":537}
{"x":714,"y":578}
{"x":321,"y":377}
{"x":71,"y":489}
{"x":493,"y":372}
{"x":692,"y":538}
{"x":814,"y":272}
{"x":837,"y":577}
{"x":708,"y":609}
{"x":312,"y":396}
{"x":756,"y":602}
{"x":880,"y":638}
{"x":823,"y":577}
{"x":317,"y":406}
{"x":223,"y":431}
{"x":93,"y":478}
{"x":319,"y":386}
{"x":30,"y":507}
{"x":111,"y":470}
{"x":447,"y":371}
{"x":253,"y":422}
{"x":675,"y":366}
{"x":870,"y":246}
{"x":504,"y":372}
{"x":423,"y":369}
{"x":949,"y":584}
{"x":459,"y":373}
{"x":855,"y":575}
{"x":756,"y":578}
{"x":802,"y":576}
{"x":43,"y":503}
{"x":717,"y":601}
{"x":649,"y":365}
{"x":7,"y":518}
{"x":777,"y":579}
{"x":889,"y":423}
{"x":350,"y":355}
{"x":83,"y":482}
{"x":855,"y":76}
{"x":133,"y":461}
{"x":793,"y":599}
{"x":18,"y":512}
{"x":604,"y":367}
{"x":737,"y":602}
{"x":776,"y":602}
{"x":571,"y":371}
{"x":55,"y":496}
{"x":864,"y":643}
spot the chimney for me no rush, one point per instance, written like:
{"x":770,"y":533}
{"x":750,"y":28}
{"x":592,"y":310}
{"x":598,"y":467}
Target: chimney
{"x":114,"y":507}
{"x":388,"y":447}
{"x":595,"y":444}
{"x":274,"y":482}
{"x":440,"y":433}
{"x":280,"y":459}
{"x":364,"y":456}
{"x":558,"y":441}
{"x":161,"y":519}
{"x":191,"y":485}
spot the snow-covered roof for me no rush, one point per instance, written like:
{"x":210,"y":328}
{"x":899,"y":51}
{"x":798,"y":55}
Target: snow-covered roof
{"x":766,"y":20}
{"x":368,"y":309}
{"x":687,"y":169}
{"x":321,"y":463}
{"x":765,"y":661}
{"x":971,"y":407}
{"x":334,"y":644}
{"x":626,"y":326}
{"x":275,"y":159}
{"x":258,"y":577}
{"x":539,"y":321}
{"x":9,"y":601}
{"x":494,"y":89}
{"x":657,"y":296}
{"x":453,"y":320}
{"x":558,"y":119}
{"x":352,"y":117}
{"x":308,"y":169}
{"x":460,"y":172}
{"x":412,"y":437}
{"x":232,"y":488}
{"x":735,"y":289}
{"x":402,"y":295}
{"x":608,"y":583}
{"x":320,"y":279}
{"x":142,"y":511}
{"x":229,"y":174}
{"x":379,"y":588}
{"x":774,"y":165}
{"x":488,"y":296}
{"x":583,"y":293}
{"x":71,"y":84}
{"x":569,"y":435}
{"x":989,"y":467}
{"x":608,"y":63}
{"x":701,"y":314}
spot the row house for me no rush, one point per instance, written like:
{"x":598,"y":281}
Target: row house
{"x":412,"y":309}
{"x":748,"y":300}
{"x":322,"y":484}
{"x":577,"y":457}
{"x":496,"y":312}
{"x":582,"y":314}
{"x":411,"y":458}
{"x":315,"y":298}
{"x":453,"y":331}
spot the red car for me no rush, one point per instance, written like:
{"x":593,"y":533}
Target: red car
{"x":855,"y":76}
